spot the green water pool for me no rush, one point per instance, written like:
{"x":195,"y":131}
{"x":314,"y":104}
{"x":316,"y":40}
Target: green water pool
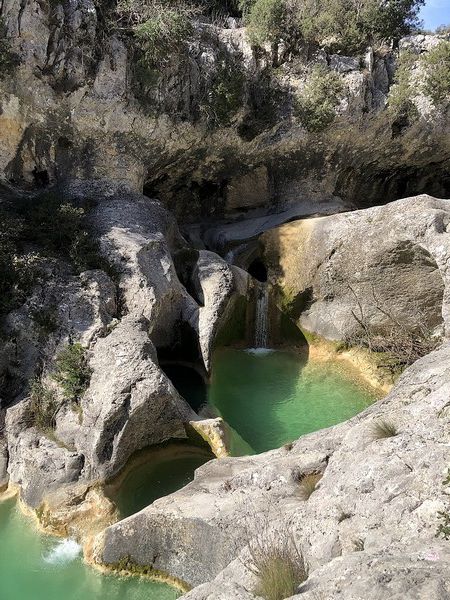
{"x":270,"y":398}
{"x":39,"y":567}
{"x":156,"y":473}
{"x":267,"y":398}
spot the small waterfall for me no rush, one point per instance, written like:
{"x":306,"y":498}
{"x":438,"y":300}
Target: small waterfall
{"x":262,"y":316}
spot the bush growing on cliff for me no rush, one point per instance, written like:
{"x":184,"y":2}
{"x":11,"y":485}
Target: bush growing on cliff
{"x":18,"y":270}
{"x":267,"y":21}
{"x":401,"y":106}
{"x":160,"y":27}
{"x":224,"y":94}
{"x":316,"y":105}
{"x":42,"y":408}
{"x":59,"y":227}
{"x":437,"y":73}
{"x":8,"y":59}
{"x":72,"y":372}
{"x":341,"y":25}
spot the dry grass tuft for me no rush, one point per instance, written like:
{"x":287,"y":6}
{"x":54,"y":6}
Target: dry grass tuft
{"x":307,"y":482}
{"x":278,"y":564}
{"x":383,"y":429}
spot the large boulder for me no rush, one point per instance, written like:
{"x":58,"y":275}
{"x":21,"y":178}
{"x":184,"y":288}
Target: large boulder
{"x":377,"y":266}
{"x":130,"y":404}
{"x":218,"y":287}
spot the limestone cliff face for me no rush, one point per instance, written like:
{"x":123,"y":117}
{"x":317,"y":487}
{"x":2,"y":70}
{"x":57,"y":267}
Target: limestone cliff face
{"x":375,"y":266}
{"x":75,"y":108}
{"x":150,"y":306}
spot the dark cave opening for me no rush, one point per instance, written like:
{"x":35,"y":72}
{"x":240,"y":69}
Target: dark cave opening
{"x":188,"y":382}
{"x":258,"y":270}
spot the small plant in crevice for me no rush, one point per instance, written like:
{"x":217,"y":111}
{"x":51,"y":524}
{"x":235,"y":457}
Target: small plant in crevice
{"x":42,"y":407}
{"x":382,"y":429}
{"x":358,"y":545}
{"x":277,"y":563}
{"x":72,"y":372}
{"x":307,"y":482}
{"x":443,"y":529}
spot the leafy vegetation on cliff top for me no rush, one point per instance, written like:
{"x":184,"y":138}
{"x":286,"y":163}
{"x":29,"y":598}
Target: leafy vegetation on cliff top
{"x":161,"y":27}
{"x":437,"y":77}
{"x":347,"y":26}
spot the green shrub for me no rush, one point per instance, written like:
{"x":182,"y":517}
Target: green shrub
{"x":437,"y":77}
{"x":46,"y":319}
{"x":316,"y":105}
{"x":160,"y":27}
{"x":345,"y":26}
{"x":42,"y":407}
{"x":225,"y":94}
{"x":8,"y":59}
{"x":401,"y":105}
{"x":72,"y":371}
{"x":59,"y":227}
{"x":18,"y":271}
{"x":266,"y":21}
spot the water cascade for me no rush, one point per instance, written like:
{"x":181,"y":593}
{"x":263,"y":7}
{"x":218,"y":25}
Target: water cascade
{"x":262,"y":316}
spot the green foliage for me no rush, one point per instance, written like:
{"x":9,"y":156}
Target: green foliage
{"x":59,"y":227}
{"x":316,"y":105}
{"x":266,"y":21}
{"x":17,"y":272}
{"x":46,"y":319}
{"x":42,"y":407}
{"x":8,"y":59}
{"x":225,"y":94}
{"x":160,"y":27}
{"x":401,"y":105}
{"x":383,"y":429}
{"x":347,"y":26}
{"x":72,"y":372}
{"x":437,"y":69}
